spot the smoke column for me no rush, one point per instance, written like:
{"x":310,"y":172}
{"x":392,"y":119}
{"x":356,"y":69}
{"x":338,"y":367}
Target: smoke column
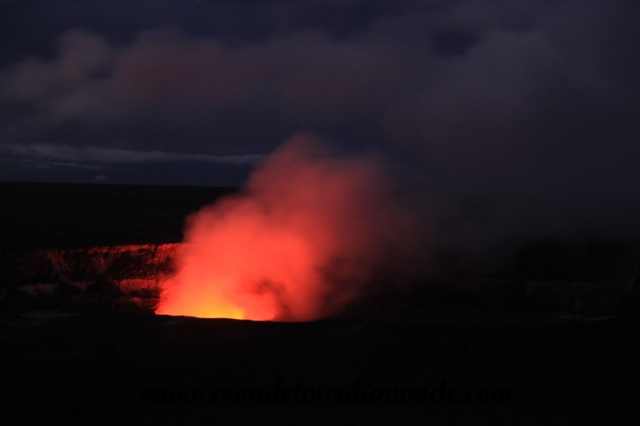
{"x":309,"y":234}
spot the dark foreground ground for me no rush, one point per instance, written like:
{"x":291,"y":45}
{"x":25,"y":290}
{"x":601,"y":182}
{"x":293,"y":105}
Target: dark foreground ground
{"x":415,"y":362}
{"x":107,"y":368}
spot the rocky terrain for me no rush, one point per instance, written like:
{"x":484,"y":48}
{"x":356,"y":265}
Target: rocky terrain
{"x":127,"y":278}
{"x":123,"y":278}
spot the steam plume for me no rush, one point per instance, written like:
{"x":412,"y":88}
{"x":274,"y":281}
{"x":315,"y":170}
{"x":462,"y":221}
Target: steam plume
{"x":310,"y":233}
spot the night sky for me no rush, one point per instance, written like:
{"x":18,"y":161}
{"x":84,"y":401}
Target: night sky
{"x":516,"y":97}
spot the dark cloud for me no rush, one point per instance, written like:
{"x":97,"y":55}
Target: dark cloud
{"x":99,"y":155}
{"x":453,"y":42}
{"x":520,"y":97}
{"x":167,"y":85}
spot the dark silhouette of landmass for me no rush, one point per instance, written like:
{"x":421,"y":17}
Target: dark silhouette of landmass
{"x":52,"y":215}
{"x":78,"y":274}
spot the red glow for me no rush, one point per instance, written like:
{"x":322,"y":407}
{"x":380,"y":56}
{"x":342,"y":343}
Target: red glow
{"x":299,"y":245}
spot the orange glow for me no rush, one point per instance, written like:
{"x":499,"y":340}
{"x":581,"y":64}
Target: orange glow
{"x":298,"y":245}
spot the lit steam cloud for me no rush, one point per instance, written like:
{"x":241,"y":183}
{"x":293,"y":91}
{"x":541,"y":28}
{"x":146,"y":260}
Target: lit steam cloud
{"x":310,"y":233}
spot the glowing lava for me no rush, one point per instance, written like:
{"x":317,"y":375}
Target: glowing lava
{"x":299,"y":244}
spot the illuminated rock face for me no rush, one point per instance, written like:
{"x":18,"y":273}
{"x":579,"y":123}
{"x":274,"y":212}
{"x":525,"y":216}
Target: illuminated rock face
{"x":128,"y":278}
{"x":123,"y":277}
